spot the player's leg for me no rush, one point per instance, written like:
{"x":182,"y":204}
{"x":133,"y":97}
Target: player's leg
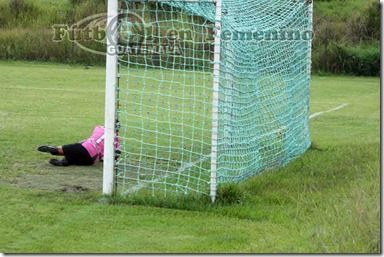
{"x":76,"y":154}
{"x":62,"y":162}
{"x":51,"y":149}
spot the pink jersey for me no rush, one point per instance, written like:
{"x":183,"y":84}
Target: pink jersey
{"x":95,"y":144}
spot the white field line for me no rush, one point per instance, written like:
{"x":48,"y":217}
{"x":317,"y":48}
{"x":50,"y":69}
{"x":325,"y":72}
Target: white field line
{"x":331,"y":110}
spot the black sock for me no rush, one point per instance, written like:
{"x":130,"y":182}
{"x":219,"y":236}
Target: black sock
{"x":50,"y":149}
{"x":53,"y":150}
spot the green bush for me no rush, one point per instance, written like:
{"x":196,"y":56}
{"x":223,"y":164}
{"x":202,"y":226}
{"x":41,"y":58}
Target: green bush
{"x":37,"y":45}
{"x":372,"y":21}
{"x":360,"y":61}
{"x":88,"y":8}
{"x":26,"y":33}
{"x":77,"y":2}
{"x":18,"y":13}
{"x":355,"y":60}
{"x":27,"y":30}
{"x":23,"y":7}
{"x":347,"y":40}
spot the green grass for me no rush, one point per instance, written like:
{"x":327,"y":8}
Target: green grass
{"x":340,"y":10}
{"x":327,"y":201}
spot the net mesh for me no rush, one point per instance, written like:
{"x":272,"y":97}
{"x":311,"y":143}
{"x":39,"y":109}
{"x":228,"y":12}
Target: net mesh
{"x":165,"y":91}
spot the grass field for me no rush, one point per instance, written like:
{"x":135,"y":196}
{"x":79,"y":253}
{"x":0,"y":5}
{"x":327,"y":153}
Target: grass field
{"x":327,"y":201}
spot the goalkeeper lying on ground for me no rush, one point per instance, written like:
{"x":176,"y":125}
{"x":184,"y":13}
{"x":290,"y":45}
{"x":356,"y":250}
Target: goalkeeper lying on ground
{"x":87,"y":152}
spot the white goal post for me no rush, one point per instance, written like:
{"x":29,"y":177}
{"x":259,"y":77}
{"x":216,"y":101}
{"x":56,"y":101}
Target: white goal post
{"x":111,"y":100}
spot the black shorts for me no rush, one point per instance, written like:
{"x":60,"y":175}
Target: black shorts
{"x":76,"y":154}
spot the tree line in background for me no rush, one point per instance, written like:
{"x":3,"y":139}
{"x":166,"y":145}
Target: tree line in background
{"x":347,"y":33}
{"x":347,"y":37}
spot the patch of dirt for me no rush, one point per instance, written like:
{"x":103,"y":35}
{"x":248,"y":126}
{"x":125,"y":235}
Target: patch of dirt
{"x":65,"y":179}
{"x":74,"y":189}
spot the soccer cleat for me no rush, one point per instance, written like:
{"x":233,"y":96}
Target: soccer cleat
{"x":48,"y":149}
{"x":57,"y":162}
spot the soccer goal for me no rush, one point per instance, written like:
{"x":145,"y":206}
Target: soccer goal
{"x":206,"y":92}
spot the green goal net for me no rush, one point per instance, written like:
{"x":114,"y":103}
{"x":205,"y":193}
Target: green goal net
{"x":210,"y":92}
